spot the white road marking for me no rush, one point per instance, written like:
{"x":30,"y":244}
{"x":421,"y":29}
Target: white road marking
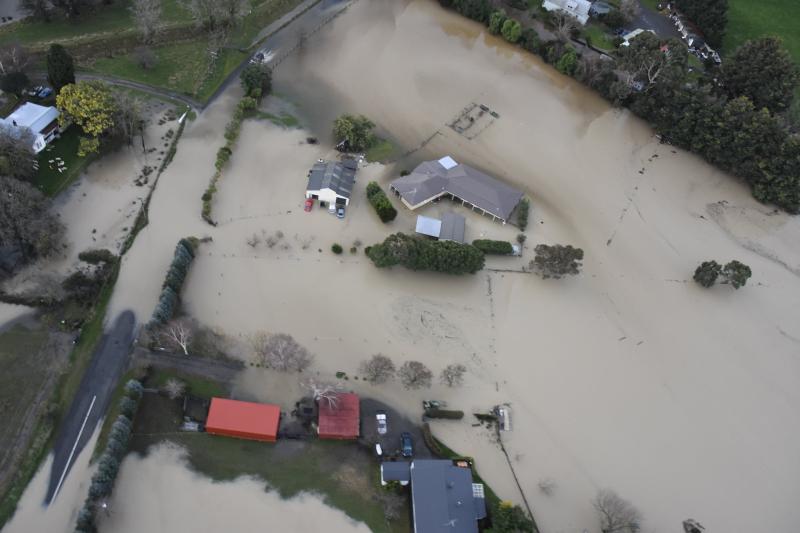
{"x":74,"y":446}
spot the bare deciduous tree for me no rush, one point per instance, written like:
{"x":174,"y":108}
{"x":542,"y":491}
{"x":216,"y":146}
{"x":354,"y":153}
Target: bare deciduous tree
{"x":322,"y":392}
{"x":147,"y":17}
{"x":16,"y":153}
{"x":564,"y":25}
{"x":174,"y":388}
{"x":616,"y":515}
{"x":217,"y":14}
{"x":377,"y":369}
{"x":253,"y":241}
{"x":281,"y":352}
{"x":13,"y":58}
{"x":415,"y":375}
{"x":38,"y":9}
{"x":128,"y":121}
{"x":178,"y":334}
{"x":453,"y":375}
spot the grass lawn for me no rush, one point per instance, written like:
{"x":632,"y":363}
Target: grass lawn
{"x":114,"y":18}
{"x":197,"y":386}
{"x":748,"y":19}
{"x":285,"y":119}
{"x":599,"y":37}
{"x":49,"y":180}
{"x":342,"y":473}
{"x":380,"y":151}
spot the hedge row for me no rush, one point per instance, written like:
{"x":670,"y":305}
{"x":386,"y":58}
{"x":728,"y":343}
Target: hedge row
{"x":380,"y":202}
{"x":523,"y":210}
{"x":173,"y":282}
{"x":109,"y":462}
{"x":489,"y":246}
{"x":444,"y":414}
{"x":423,"y":254}
{"x":246,"y":107}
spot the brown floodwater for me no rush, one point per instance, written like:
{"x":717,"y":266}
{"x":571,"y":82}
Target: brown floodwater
{"x":628,"y":376}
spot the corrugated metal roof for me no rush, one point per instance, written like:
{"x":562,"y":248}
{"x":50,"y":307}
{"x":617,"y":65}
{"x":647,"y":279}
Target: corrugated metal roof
{"x":339,"y":419}
{"x":395,"y":471}
{"x":442,"y":497}
{"x":246,"y":420}
{"x":453,"y":226}
{"x":339,"y":176}
{"x":428,"y":226}
{"x":33,"y":116}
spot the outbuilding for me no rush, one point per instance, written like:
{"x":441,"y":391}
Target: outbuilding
{"x":41,"y":121}
{"x":339,"y":416}
{"x":244,"y":420}
{"x":332,"y":181}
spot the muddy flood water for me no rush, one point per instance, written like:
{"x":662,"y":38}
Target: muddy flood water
{"x":629,"y":376}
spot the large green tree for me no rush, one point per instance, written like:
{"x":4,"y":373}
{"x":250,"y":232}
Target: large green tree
{"x":355,"y":131}
{"x":90,"y":105}
{"x":762,"y":70}
{"x":60,"y":67}
{"x":256,"y":79}
{"x":711,"y":16}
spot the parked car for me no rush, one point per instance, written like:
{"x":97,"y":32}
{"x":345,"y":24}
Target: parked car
{"x":378,"y":450}
{"x":340,"y":212}
{"x":383,"y":427}
{"x":406,"y":444}
{"x":45,"y":92}
{"x":332,"y":209}
{"x":308,"y":205}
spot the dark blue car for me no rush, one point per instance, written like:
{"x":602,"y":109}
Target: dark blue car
{"x":406,"y":444}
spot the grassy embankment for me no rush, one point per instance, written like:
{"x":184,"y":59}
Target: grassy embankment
{"x":342,"y":473}
{"x":105,"y":41}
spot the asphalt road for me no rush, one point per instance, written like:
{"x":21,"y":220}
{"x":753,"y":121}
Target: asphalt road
{"x":652,"y":20}
{"x":92,"y":399}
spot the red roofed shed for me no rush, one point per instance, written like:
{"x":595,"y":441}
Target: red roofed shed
{"x":245,"y":420}
{"x":339,"y":419}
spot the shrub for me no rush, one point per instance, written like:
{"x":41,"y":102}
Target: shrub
{"x":557,"y":260}
{"x":378,"y":369}
{"x":127,"y":406}
{"x":95,"y":257}
{"x":511,"y":30}
{"x":523,"y":209}
{"x":707,"y":273}
{"x":256,"y":78}
{"x":496,"y":21}
{"x":383,"y":206}
{"x":248,"y":104}
{"x":336,"y":248}
{"x":736,"y":273}
{"x":568,"y":62}
{"x":415,"y":375}
{"x":489,"y":246}
{"x":521,"y":238}
{"x":134,"y":389}
{"x":444,"y":414}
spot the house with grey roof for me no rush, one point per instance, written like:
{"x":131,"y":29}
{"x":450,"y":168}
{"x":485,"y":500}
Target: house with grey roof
{"x":445,"y":178}
{"x":578,"y":9}
{"x":443,"y":496}
{"x":332,"y":181}
{"x":41,"y":121}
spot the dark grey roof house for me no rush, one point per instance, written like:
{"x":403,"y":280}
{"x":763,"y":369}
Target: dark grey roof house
{"x":449,"y":228}
{"x":332,"y":181}
{"x":462,"y":183}
{"x":443,"y":496}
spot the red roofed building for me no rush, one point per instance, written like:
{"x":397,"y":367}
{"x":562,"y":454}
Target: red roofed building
{"x":339,"y":419}
{"x":245,"y":420}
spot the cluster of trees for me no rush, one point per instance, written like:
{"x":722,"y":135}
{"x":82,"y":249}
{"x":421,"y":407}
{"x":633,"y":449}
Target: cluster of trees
{"x":734,"y":117}
{"x":14,"y":61}
{"x":168,"y":301}
{"x":218,"y":15}
{"x":46,"y":10}
{"x":507,"y":517}
{"x":281,"y":352}
{"x":109,"y":462}
{"x":383,"y":206}
{"x":556,"y":261}
{"x":736,"y":273}
{"x":489,"y":246}
{"x":380,"y":369}
{"x":256,"y":80}
{"x":354,"y":132}
{"x":423,"y":254}
{"x":26,"y":224}
{"x":84,"y":285}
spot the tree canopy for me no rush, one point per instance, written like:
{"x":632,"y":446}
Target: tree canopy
{"x":90,"y":105}
{"x":60,"y":67}
{"x":25,"y":221}
{"x":16,"y":153}
{"x":711,"y":16}
{"x":355,"y":131}
{"x":256,"y":77}
{"x":763,"y":71}
{"x":422,"y":254}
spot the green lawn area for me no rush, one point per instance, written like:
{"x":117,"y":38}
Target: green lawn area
{"x":748,"y":19}
{"x":285,"y":119}
{"x":49,"y":180}
{"x":380,"y":151}
{"x":599,"y":37}
{"x":343,"y":473}
{"x":114,"y":18}
{"x":197,"y":386}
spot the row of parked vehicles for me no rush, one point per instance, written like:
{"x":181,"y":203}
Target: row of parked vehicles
{"x":333,"y":209}
{"x":693,"y":40}
{"x":406,"y":440}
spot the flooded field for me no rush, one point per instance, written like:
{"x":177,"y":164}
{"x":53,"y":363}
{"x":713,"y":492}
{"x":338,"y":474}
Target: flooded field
{"x":629,"y":376}
{"x":159,"y":493}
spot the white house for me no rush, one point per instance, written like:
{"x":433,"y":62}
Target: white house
{"x":41,"y":121}
{"x":332,"y":181}
{"x":575,"y":8}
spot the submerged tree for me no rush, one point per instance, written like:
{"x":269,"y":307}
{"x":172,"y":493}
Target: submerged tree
{"x":557,"y":260}
{"x":415,"y":375}
{"x":377,"y":369}
{"x":453,"y":375}
{"x":736,"y":273}
{"x":281,"y":352}
{"x":707,"y":273}
{"x":616,"y":515}
{"x":26,"y":222}
{"x":355,"y":131}
{"x":147,"y":17}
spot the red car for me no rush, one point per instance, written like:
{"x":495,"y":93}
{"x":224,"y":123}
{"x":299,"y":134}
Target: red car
{"x":308,"y":205}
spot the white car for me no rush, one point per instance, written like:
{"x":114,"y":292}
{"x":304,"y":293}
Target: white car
{"x":383,"y":427}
